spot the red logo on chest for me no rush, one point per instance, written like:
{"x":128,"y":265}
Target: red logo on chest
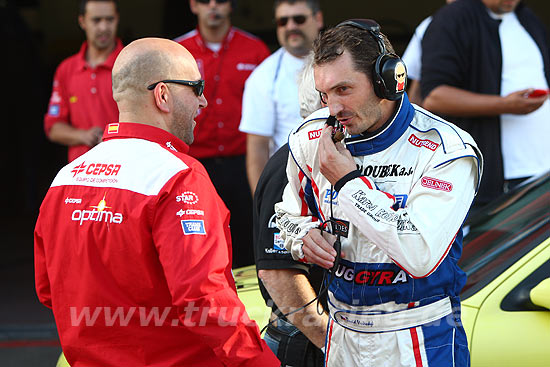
{"x":433,"y":183}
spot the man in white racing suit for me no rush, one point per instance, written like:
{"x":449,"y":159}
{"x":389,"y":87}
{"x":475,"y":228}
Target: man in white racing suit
{"x":394,"y":194}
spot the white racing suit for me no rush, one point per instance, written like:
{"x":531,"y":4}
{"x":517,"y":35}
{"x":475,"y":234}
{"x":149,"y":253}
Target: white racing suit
{"x":394,"y":300}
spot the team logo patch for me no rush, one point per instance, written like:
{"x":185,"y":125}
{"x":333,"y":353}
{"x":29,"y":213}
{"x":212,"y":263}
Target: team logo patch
{"x":315,"y":134}
{"x":53,"y":110}
{"x":331,"y":196}
{"x":193,"y":227}
{"x":112,"y":129}
{"x":188,"y":197}
{"x":245,"y":67}
{"x":434,"y":183}
{"x":99,"y":213}
{"x":278,"y":243}
{"x":400,"y":200}
{"x":422,"y":143}
{"x":97,"y":169}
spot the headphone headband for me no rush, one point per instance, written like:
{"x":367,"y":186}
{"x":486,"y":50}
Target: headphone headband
{"x":389,"y":71}
{"x":370,"y":26}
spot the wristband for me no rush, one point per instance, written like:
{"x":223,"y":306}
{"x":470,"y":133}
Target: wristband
{"x":344,"y":180}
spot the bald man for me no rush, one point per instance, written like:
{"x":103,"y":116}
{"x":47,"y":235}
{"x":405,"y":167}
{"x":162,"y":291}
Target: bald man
{"x":132,"y":244}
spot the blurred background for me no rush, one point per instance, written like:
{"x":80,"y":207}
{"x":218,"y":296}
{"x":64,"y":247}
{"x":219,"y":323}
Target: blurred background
{"x":36,"y":36}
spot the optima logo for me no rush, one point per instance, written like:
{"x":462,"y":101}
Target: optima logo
{"x":98,"y":214}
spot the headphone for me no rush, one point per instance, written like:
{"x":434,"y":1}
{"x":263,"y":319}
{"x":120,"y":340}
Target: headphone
{"x":389,"y":72}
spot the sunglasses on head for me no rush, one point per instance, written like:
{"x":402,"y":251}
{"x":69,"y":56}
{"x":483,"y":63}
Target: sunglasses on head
{"x":208,"y":1}
{"x":298,"y":19}
{"x":197,"y":85}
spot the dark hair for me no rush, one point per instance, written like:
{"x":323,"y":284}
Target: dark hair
{"x":312,"y":4}
{"x":82,"y":6}
{"x":362,"y":46}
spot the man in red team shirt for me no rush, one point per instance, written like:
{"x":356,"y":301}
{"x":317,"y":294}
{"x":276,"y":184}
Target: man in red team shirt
{"x":132,"y":244}
{"x":81,"y":103}
{"x":226,"y":56}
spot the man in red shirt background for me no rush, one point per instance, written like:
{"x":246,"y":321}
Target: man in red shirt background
{"x":226,"y":56}
{"x":81,"y":103}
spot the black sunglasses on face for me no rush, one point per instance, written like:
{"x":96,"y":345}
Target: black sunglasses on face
{"x":208,"y":1}
{"x":197,"y":85}
{"x":298,"y":19}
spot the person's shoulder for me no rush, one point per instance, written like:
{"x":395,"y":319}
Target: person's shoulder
{"x":247,"y":45}
{"x":456,"y":12}
{"x":187,"y":38}
{"x":244,"y":36}
{"x":70,"y":63}
{"x":263,"y":75}
{"x":433,"y":131}
{"x":310,"y":129}
{"x":269,"y":65}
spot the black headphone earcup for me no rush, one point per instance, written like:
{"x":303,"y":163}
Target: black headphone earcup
{"x":390,"y":77}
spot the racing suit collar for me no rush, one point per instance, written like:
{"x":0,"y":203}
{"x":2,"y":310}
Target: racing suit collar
{"x":125,"y":130}
{"x":377,"y":141}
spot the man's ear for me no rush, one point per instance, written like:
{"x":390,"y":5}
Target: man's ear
{"x":193,"y":6}
{"x":162,"y":97}
{"x":81,"y":22}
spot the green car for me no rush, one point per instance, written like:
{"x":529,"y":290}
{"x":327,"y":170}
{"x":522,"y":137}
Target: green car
{"x":506,"y":299}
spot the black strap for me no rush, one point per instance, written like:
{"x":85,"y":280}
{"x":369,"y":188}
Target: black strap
{"x":344,"y":180}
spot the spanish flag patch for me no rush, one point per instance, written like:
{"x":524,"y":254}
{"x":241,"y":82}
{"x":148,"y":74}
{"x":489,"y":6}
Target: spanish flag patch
{"x":112,"y":129}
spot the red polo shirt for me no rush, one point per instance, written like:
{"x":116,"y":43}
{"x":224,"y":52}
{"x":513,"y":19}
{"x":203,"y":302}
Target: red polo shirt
{"x":224,"y":71}
{"x":82,"y":96}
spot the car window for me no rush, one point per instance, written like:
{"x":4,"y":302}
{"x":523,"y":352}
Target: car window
{"x":518,"y":299}
{"x":504,"y":231}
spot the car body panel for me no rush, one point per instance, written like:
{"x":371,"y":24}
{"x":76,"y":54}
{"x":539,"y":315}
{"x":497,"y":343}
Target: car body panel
{"x":512,"y":338}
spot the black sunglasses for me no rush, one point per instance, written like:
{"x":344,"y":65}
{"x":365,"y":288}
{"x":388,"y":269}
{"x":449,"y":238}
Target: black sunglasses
{"x":197,"y":85}
{"x":208,"y":1}
{"x":298,"y":19}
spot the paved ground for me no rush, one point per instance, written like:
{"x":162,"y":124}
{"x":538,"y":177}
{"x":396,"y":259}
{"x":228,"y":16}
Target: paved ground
{"x":28,"y":337}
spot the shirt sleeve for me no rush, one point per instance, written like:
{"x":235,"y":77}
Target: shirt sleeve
{"x":294,"y":217}
{"x":58,"y":106}
{"x":191,"y":233}
{"x":445,"y":52}
{"x":41,"y":279}
{"x":419,"y":236}
{"x":258,"y":107}
{"x":269,"y":250}
{"x":413,"y":53}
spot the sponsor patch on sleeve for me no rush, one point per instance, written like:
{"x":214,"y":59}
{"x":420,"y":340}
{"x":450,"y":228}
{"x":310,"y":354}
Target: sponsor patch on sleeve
{"x":191,"y":227}
{"x":315,"y":134}
{"x":53,"y":110}
{"x":434,"y":183}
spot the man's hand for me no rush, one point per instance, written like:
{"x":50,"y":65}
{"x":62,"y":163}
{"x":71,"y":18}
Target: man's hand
{"x":518,"y":103}
{"x":335,"y":160}
{"x":66,"y":134}
{"x":91,"y":137}
{"x":318,"y":249}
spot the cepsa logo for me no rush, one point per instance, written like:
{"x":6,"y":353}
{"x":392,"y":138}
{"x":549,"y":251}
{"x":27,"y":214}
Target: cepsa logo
{"x":96,"y":169}
{"x":99,"y":213}
{"x":423,"y":143}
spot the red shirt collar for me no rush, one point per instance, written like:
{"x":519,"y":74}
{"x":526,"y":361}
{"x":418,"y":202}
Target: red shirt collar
{"x":82,"y":64}
{"x":125,"y":130}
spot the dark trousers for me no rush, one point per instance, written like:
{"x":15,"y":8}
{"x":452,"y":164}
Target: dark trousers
{"x":228,"y":174}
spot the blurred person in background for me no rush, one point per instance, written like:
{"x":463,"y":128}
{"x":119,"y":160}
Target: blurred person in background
{"x":481,"y":61}
{"x":270,"y":101}
{"x":226,"y":56}
{"x":81,"y":103}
